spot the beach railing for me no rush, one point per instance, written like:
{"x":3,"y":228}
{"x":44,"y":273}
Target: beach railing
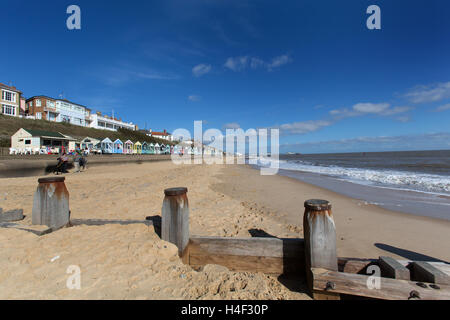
{"x":314,"y":257}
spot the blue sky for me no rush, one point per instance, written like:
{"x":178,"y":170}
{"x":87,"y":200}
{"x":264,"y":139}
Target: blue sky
{"x":310,"y":68}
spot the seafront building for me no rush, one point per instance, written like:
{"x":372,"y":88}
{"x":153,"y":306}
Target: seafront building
{"x":10,"y":100}
{"x":33,"y":140}
{"x":63,"y":110}
{"x":99,"y":121}
{"x":162,"y":135}
{"x":58,"y":110}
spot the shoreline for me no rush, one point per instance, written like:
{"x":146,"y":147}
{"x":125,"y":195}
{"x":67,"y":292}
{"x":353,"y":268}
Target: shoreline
{"x":418,"y":203}
{"x":363,"y":230}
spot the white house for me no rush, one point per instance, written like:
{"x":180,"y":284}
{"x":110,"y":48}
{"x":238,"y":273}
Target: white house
{"x":9,"y":100}
{"x":32,"y":140}
{"x":70,"y":112}
{"x":162,"y":135}
{"x":99,"y":121}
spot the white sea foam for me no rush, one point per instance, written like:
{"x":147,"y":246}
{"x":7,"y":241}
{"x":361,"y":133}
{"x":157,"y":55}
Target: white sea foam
{"x":399,"y":179}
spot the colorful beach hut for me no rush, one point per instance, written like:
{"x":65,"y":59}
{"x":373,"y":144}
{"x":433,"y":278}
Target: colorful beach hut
{"x":106,"y":146}
{"x":118,"y":146}
{"x":145,"y":148}
{"x":157,"y":148}
{"x":162,"y":148}
{"x":137,"y":149}
{"x":128,"y":147}
{"x":151,"y":147}
{"x":167,"y":149}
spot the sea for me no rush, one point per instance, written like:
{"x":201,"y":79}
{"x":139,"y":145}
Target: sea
{"x":415,"y":182}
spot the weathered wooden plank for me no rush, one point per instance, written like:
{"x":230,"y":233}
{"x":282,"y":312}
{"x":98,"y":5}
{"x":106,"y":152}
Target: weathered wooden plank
{"x":320,"y":241}
{"x":391,"y":268}
{"x":267,"y":247}
{"x":424,"y":271}
{"x":390,"y":289}
{"x":444,"y":267}
{"x":267,"y":255}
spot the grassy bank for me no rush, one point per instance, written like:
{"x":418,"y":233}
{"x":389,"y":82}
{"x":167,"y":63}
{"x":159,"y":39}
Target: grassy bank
{"x":10,"y":125}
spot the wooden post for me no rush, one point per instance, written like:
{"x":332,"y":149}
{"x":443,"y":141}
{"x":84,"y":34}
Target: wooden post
{"x":51,"y":203}
{"x":320,"y":243}
{"x":175,"y":218}
{"x":423,"y":271}
{"x":391,"y":268}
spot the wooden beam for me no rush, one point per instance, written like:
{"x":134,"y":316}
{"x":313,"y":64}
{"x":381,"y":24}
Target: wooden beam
{"x":424,"y":271}
{"x":391,"y":268}
{"x":267,"y":255}
{"x":390,"y":289}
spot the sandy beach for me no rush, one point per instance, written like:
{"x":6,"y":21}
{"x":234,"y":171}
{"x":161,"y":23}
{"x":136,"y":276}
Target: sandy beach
{"x":128,"y":260}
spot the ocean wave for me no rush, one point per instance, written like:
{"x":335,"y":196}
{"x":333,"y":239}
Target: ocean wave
{"x":403,"y":179}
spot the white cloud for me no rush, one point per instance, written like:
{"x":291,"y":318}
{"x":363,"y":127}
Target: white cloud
{"x":443,"y":107}
{"x":429,"y":93}
{"x":237,"y":63}
{"x":371,"y":107}
{"x":278,"y":62}
{"x":304,"y":126}
{"x":359,"y":109}
{"x":194,"y":98}
{"x":243,"y":62}
{"x":201,"y":69}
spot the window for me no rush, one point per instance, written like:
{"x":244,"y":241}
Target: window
{"x":38,"y":115}
{"x":38,"y":102}
{"x":8,"y":96}
{"x":27,"y":141}
{"x":50,"y":104}
{"x":9,"y":110}
{"x":31,"y":103}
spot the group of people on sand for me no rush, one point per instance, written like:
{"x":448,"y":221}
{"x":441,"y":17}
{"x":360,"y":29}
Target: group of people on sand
{"x":79,"y":161}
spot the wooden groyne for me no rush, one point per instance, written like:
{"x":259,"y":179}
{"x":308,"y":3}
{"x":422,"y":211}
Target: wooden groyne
{"x":314,"y":258}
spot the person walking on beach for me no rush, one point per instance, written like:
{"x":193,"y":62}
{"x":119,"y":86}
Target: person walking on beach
{"x":77,"y":160}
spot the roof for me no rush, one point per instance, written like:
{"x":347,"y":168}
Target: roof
{"x":65,"y":100}
{"x":106,"y":140}
{"x":4,"y":86}
{"x":118,"y":141}
{"x":36,"y":97}
{"x":154,"y":133}
{"x":91,"y":139}
{"x":41,"y":133}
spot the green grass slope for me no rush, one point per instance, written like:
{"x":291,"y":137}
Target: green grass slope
{"x":10,"y":125}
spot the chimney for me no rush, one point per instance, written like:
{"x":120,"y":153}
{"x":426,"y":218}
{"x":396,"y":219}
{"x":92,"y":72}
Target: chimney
{"x":165,"y":131}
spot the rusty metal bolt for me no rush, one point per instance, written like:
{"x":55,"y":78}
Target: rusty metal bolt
{"x":330,"y":286}
{"x":414,"y":295}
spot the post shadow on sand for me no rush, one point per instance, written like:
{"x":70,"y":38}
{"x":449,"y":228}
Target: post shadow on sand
{"x":101,"y":222}
{"x":157,"y":222}
{"x":407,"y":254}
{"x":291,"y":279}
